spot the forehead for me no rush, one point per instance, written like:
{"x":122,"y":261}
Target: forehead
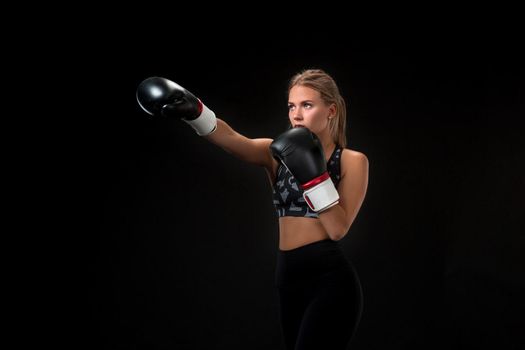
{"x":301,"y":93}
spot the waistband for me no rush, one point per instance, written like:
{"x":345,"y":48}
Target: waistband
{"x":322,"y":244}
{"x":310,"y":261}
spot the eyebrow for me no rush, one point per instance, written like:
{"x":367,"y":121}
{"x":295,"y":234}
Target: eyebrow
{"x":311,"y":101}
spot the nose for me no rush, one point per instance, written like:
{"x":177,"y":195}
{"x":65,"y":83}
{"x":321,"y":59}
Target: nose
{"x":296,"y":114}
{"x":296,"y":120}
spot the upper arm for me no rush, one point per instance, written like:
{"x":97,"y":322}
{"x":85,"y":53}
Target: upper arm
{"x":353,"y":185}
{"x":254,"y":151}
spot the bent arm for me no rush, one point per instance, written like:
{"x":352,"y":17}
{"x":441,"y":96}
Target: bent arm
{"x":338,"y":219}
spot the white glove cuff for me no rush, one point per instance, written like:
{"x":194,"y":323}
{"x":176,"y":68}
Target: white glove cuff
{"x":205,"y":124}
{"x":322,"y":196}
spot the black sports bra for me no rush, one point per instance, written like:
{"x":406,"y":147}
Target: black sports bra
{"x":288,"y":197}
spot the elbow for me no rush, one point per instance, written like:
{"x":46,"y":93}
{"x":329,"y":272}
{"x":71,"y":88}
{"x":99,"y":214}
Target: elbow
{"x":336,"y":237}
{"x":339,"y":234}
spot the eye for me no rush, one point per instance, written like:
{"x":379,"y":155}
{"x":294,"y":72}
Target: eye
{"x":290,"y":106}
{"x":307,"y":105}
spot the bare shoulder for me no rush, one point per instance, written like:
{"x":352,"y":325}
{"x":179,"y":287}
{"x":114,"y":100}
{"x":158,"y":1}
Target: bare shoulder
{"x":352,"y":161}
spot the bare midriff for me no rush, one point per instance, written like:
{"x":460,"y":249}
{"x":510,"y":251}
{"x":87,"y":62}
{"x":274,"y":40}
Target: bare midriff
{"x":295,"y":232}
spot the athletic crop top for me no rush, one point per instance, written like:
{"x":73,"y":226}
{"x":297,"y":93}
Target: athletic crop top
{"x":288,"y":197}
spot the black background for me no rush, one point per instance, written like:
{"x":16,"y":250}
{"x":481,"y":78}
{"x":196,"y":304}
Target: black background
{"x":178,"y":238}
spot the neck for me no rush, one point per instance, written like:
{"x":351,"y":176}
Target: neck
{"x":328,"y":145}
{"x":327,"y":142}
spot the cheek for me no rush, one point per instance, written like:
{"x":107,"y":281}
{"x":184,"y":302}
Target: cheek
{"x":317,"y":115}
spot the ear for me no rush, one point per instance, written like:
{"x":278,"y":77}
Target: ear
{"x":332,"y":109}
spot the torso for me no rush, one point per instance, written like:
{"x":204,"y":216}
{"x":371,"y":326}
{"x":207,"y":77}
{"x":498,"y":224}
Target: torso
{"x":294,"y":231}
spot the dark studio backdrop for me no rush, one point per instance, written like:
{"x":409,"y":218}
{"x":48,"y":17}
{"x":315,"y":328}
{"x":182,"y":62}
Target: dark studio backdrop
{"x":183,"y":247}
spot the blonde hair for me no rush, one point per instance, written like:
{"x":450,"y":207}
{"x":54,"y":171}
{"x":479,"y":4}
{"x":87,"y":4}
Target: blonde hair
{"x":319,"y":80}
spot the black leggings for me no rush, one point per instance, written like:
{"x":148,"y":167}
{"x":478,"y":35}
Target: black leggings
{"x":321,"y":300}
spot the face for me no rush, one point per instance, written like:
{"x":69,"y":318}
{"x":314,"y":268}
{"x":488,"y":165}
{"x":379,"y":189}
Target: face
{"x":306,"y":108}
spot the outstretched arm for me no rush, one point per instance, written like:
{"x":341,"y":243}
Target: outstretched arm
{"x":161,"y":97}
{"x":254,"y":151}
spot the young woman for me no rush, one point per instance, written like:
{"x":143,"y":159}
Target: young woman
{"x":318,"y":188}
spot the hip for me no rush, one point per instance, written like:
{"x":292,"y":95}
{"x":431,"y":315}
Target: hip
{"x":313,"y":262}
